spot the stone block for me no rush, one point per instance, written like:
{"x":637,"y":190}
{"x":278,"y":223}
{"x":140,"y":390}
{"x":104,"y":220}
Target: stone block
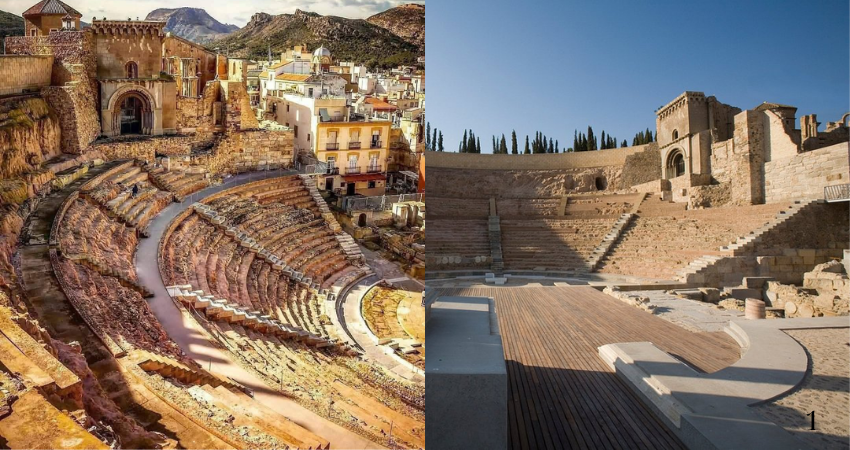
{"x":467,"y":377}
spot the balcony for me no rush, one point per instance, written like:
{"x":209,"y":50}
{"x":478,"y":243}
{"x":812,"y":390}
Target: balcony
{"x":332,"y":171}
{"x":332,"y":146}
{"x":374,"y":168}
{"x":352,"y":171}
{"x":354,"y":145}
{"x":375,"y":144}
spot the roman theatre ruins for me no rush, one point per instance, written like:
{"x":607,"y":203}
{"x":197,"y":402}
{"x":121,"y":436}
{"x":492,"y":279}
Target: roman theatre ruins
{"x":646,"y":296}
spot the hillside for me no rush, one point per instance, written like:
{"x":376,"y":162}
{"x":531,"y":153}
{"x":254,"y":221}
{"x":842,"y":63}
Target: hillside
{"x":348,"y":39}
{"x":194,"y":24}
{"x":406,"y":21}
{"x":11,"y":25}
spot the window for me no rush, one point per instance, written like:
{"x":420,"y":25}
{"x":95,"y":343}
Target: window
{"x":371,"y":184}
{"x":675,"y":134}
{"x":296,"y":130}
{"x":33,"y":32}
{"x":287,"y":107}
{"x":310,"y":92}
{"x":308,"y":137}
{"x":352,"y":161}
{"x":132,"y":69}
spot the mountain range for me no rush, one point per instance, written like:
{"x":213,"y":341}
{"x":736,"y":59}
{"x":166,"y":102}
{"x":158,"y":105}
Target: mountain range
{"x":11,"y":25}
{"x":405,"y":21}
{"x":194,"y":24}
{"x":354,"y":40}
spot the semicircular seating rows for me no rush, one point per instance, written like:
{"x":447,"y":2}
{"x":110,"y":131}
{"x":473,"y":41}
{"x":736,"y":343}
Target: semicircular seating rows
{"x":256,"y":264}
{"x":92,"y":244}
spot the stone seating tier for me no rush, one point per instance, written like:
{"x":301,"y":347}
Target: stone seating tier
{"x":664,"y":237}
{"x":556,"y":244}
{"x":225,"y":269}
{"x":86,"y":229}
{"x":117,"y":314}
{"x":314,"y":376}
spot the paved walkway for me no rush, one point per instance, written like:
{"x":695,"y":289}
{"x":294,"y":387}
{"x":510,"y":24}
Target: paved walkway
{"x":561,"y":393}
{"x":825,"y":390}
{"x":194,"y":341}
{"x":692,"y":315}
{"x":358,"y":329}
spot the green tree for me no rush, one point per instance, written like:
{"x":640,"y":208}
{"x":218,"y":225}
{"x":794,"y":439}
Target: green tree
{"x":527,"y":150}
{"x":624,"y":144}
{"x":440,"y":143}
{"x":463,"y":143}
{"x":434,"y":140}
{"x":428,"y":137}
{"x":477,"y":145}
{"x":514,"y":149}
{"x":503,"y":146}
{"x":591,"y":139}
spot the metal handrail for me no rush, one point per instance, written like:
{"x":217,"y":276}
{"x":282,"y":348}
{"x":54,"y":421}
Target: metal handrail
{"x":837,"y":193}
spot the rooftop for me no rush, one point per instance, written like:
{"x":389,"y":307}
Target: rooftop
{"x":50,"y":7}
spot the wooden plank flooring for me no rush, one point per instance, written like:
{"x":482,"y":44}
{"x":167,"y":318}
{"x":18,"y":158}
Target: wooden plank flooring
{"x":561,"y":394}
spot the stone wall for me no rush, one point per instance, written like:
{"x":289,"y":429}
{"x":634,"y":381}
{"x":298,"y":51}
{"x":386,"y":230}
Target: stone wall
{"x":73,"y":90}
{"x":544,"y":161}
{"x":642,"y":167}
{"x":463,"y":183}
{"x":24,"y":73}
{"x":144,"y":147}
{"x":804,"y":175}
{"x":245,"y":151}
{"x":29,"y":136}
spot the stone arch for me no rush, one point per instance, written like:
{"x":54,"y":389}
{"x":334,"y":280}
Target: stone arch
{"x":675,"y":164}
{"x":601,"y":183}
{"x":131,"y":112}
{"x":361,"y":220}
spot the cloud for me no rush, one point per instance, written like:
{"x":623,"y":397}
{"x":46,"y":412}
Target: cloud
{"x":238,"y":13}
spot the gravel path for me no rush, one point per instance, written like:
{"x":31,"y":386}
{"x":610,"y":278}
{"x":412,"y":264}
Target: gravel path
{"x":825,"y":390}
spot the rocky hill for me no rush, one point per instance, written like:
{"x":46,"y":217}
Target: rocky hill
{"x":348,"y":39}
{"x":194,"y":24}
{"x":406,"y":21}
{"x":11,"y":25}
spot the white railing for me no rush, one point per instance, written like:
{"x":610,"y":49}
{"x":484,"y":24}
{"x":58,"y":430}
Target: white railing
{"x":837,"y":193}
{"x":378,"y":203}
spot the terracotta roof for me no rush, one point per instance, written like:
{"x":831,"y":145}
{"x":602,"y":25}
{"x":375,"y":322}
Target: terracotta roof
{"x":49,"y":7}
{"x":292,"y":77}
{"x":379,"y":104}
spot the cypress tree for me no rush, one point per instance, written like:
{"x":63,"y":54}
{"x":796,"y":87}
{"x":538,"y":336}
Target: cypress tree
{"x":428,"y":137}
{"x":463,"y":147}
{"x":575,"y":139}
{"x":434,"y":140}
{"x":551,"y":145}
{"x":556,"y":146}
{"x":440,"y":142}
{"x":494,"y":145}
{"x":625,"y":143}
{"x":527,"y":150}
{"x":477,"y":145}
{"x":603,"y":141}
{"x":503,"y":146}
{"x":514,"y":149}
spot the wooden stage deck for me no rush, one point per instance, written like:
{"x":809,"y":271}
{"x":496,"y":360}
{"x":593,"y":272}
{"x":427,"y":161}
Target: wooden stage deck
{"x":561,"y":393}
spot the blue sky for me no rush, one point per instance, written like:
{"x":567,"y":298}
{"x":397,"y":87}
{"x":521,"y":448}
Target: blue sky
{"x":556,"y":66}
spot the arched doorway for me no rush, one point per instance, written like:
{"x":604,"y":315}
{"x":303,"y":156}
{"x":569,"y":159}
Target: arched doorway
{"x":675,"y":164}
{"x":601,"y":183}
{"x":361,"y":221}
{"x":132,"y":114}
